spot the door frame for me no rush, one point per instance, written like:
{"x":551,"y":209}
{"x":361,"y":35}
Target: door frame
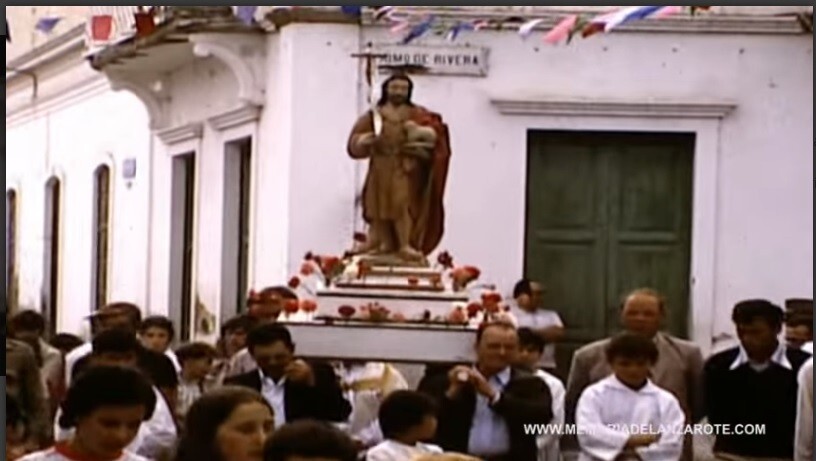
{"x":702,"y":119}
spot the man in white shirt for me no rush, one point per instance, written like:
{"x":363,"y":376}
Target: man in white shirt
{"x":529,"y":313}
{"x":803,"y":443}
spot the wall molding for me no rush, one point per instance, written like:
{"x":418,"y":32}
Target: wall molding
{"x":237,"y":53}
{"x":236,"y":117}
{"x":155,"y":102}
{"x":596,"y":108}
{"x":180,"y":134}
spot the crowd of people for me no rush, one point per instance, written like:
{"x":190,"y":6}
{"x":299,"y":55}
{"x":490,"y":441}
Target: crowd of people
{"x":127,"y":395}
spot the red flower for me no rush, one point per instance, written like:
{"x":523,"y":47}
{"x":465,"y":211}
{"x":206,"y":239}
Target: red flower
{"x":413,"y":281}
{"x":294,"y":282}
{"x":398,"y":317}
{"x":472,"y":272}
{"x":473,"y":309}
{"x":457,"y":316}
{"x":307,"y":305}
{"x":491,"y":297}
{"x":445,"y":260}
{"x":436,"y":280}
{"x":291,"y":306}
{"x":346,"y":311}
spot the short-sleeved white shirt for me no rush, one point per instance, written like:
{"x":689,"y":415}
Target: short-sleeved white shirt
{"x":538,"y":319}
{"x":59,"y":452}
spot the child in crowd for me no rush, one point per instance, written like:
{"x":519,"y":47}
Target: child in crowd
{"x":196,"y":360}
{"x":156,"y":333}
{"x":649,"y":419}
{"x":531,"y":346}
{"x":308,"y":440}
{"x":15,"y":429}
{"x":407,"y":419}
{"x":106,"y":406}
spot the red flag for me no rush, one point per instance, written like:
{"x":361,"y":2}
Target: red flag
{"x":145,"y":23}
{"x":101,"y":27}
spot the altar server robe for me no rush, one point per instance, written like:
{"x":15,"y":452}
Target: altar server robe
{"x":609,"y":402}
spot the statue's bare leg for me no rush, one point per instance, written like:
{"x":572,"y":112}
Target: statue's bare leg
{"x":374,"y":239}
{"x":403,"y":231}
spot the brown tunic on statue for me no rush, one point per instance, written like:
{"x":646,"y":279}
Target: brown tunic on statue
{"x":398,"y":183}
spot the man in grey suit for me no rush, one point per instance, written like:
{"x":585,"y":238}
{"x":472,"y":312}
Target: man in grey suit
{"x":679,"y":367}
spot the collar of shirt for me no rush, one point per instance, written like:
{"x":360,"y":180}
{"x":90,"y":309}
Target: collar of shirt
{"x":779,"y":357}
{"x":614,"y":383}
{"x":266,"y":381}
{"x":501,"y":378}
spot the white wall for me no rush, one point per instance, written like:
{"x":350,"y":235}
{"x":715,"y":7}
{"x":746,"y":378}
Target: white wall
{"x":762,"y":154}
{"x":71,"y":142}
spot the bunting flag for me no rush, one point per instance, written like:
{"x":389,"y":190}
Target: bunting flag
{"x":101,"y":27}
{"x":632,"y":13}
{"x":382,"y":12}
{"x":667,"y":11}
{"x":419,"y":30}
{"x":47,"y":24}
{"x":352,"y":10}
{"x":246,"y":14}
{"x":527,"y":28}
{"x":457,"y":28}
{"x":145,"y":22}
{"x":562,"y":30}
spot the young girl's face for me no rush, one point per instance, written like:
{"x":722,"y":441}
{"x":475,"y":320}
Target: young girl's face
{"x":241,"y":437}
{"x":108,"y":430}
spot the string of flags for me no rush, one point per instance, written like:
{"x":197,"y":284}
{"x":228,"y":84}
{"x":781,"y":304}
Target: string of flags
{"x":410,"y":25}
{"x":414,"y":25}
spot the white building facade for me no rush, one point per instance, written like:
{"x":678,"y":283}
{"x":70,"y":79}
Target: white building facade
{"x":674,"y":153}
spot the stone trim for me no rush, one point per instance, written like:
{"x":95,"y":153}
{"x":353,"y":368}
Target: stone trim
{"x":587,"y":108}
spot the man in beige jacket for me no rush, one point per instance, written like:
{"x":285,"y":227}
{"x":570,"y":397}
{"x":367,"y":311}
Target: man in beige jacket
{"x":679,"y":367}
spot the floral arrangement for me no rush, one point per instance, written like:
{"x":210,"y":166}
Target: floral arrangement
{"x":461,"y":276}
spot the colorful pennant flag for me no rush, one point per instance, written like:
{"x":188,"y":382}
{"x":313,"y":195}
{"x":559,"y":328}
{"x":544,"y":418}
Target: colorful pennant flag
{"x":246,"y":14}
{"x":628,"y":14}
{"x":457,"y":28}
{"x":352,"y":10}
{"x":419,"y":30}
{"x":382,"y":12}
{"x":47,"y":24}
{"x":562,"y":30}
{"x":527,"y":28}
{"x":145,"y":22}
{"x":668,"y":11}
{"x":101,"y":27}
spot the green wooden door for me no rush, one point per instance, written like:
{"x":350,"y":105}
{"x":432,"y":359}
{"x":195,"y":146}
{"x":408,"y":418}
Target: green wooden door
{"x":608,"y":213}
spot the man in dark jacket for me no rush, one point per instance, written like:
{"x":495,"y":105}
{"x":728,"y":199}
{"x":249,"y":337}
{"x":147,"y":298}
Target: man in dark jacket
{"x":294,"y":388}
{"x":484,"y":408}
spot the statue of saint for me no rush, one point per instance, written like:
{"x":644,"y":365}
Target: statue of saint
{"x":408,"y":150}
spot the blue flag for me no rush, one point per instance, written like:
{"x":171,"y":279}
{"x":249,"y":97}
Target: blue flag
{"x":46,"y":25}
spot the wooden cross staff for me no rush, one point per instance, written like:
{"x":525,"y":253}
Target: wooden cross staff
{"x":369,"y":57}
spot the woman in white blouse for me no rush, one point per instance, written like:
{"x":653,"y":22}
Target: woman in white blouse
{"x":106,"y":406}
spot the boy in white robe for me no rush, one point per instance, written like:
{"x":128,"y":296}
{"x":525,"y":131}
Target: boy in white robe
{"x":626,"y":417}
{"x":365,"y":385}
{"x":407,"y":419}
{"x":531,"y":346}
{"x":803,"y":439}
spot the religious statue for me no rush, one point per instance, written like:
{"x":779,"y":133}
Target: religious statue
{"x":408,"y":150}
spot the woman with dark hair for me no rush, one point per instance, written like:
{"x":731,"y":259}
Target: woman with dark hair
{"x":106,"y":406}
{"x":228,"y":424}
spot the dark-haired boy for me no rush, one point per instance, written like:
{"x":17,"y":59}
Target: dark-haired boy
{"x":754,"y":383}
{"x":407,"y":420}
{"x":531,"y":346}
{"x":196,"y":360}
{"x":625,"y":416}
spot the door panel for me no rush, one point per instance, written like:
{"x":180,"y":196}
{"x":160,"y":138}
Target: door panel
{"x":607,"y":213}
